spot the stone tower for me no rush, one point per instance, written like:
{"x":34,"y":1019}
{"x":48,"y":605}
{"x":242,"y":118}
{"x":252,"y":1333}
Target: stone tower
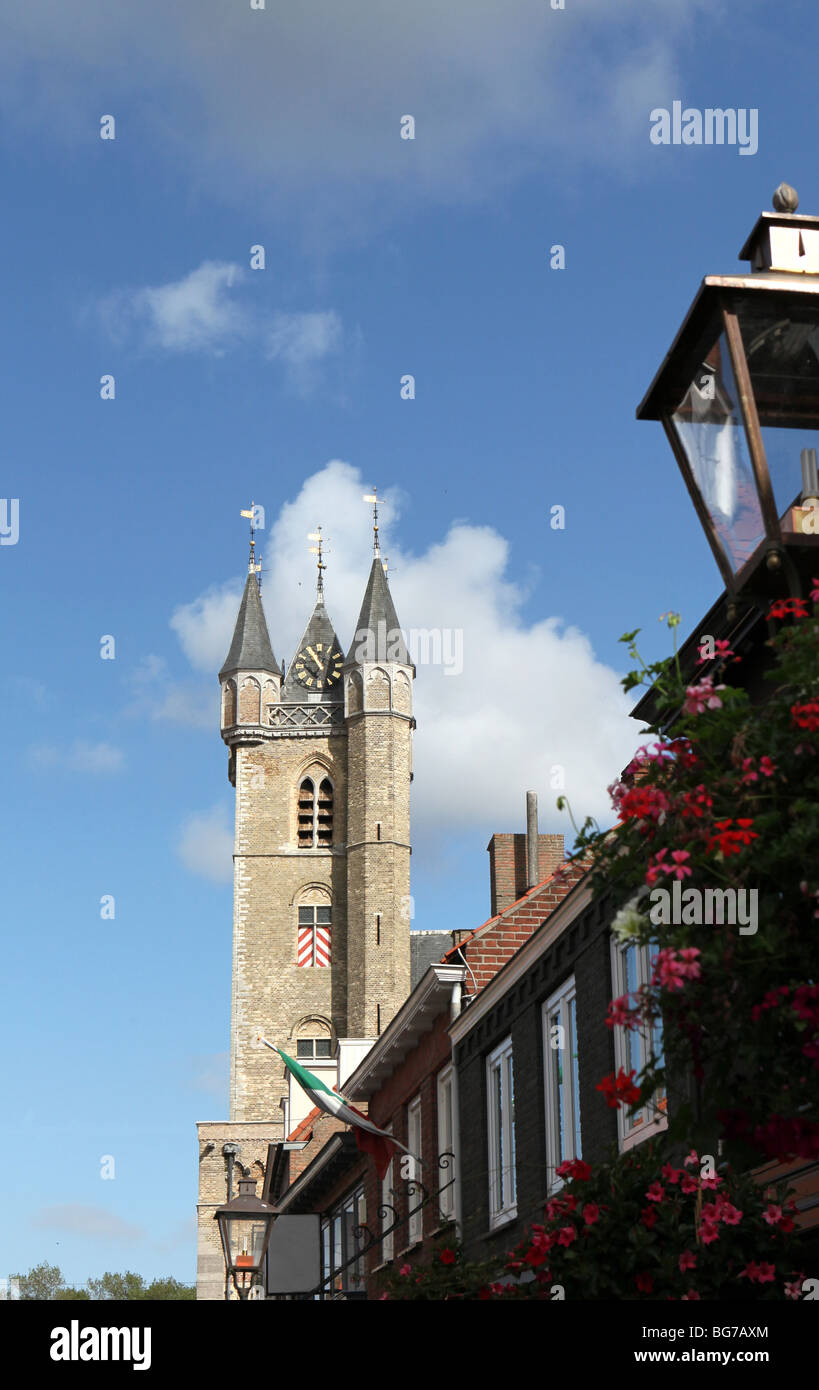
{"x":320,"y":757}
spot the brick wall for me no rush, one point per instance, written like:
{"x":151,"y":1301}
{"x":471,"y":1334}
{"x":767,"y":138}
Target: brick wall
{"x":508,"y":878}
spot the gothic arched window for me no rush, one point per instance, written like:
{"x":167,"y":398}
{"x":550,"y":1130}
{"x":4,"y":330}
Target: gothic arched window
{"x":306,"y":813}
{"x":315,"y":814}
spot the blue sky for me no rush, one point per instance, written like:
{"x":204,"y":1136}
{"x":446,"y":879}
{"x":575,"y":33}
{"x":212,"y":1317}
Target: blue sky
{"x":383,"y":257}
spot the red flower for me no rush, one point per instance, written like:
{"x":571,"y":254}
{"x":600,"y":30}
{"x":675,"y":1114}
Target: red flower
{"x":690,"y":1297}
{"x":670,"y":1174}
{"x":648,"y":1216}
{"x":729,"y":841}
{"x":806,"y":716}
{"x":644,"y":1283}
{"x":567,"y":1235}
{"x":656,"y":1192}
{"x":574,"y":1168}
{"x":619,"y":1088}
{"x":687,"y":1260}
{"x":642,"y":803}
{"x":591,"y":1213}
{"x":447,"y":1257}
{"x":784,"y":607}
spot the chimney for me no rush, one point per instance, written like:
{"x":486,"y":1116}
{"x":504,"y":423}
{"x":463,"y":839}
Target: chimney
{"x":518,"y":862}
{"x":531,"y":840}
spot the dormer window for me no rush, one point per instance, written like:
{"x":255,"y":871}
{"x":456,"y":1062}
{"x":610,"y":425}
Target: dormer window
{"x":315,"y":814}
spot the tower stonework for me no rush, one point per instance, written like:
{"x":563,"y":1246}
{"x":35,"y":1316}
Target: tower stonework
{"x":320,"y":757}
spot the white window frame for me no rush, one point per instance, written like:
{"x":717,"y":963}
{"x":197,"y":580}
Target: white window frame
{"x":631,"y":1047}
{"x":386,"y":1197}
{"x":445,"y":1087}
{"x":415,"y":1225}
{"x":501,"y":1135}
{"x":560,"y":1003}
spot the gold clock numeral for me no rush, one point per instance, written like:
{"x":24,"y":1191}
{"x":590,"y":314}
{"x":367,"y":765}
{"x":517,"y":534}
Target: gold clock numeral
{"x":309,"y":680}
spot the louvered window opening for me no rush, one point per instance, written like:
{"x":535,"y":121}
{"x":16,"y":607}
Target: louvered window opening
{"x":315,"y":814}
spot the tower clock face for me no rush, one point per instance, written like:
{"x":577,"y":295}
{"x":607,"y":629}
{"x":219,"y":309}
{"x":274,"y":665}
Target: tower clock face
{"x":318,"y":667}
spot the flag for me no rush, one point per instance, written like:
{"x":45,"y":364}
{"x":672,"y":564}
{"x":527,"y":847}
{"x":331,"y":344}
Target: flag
{"x":369,"y":1138}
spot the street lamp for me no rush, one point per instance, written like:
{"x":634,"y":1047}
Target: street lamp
{"x":245,"y":1226}
{"x":738,"y":397}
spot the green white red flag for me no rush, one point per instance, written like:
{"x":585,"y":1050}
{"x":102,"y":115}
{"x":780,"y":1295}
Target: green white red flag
{"x":369,"y":1137}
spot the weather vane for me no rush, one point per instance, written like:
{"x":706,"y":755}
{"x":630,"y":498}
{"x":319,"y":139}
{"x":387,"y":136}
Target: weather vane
{"x":253,"y":566}
{"x":318,"y":551}
{"x":373,"y":497}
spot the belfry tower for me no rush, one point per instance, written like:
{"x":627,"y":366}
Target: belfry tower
{"x":321,"y":759}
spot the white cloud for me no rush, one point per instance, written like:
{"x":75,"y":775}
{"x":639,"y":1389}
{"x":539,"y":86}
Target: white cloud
{"x":76,"y":1219}
{"x":205,"y":845}
{"x":531,"y":698}
{"x":195,"y":313}
{"x":200,"y":313}
{"x":308,"y":99}
{"x":100,"y":758}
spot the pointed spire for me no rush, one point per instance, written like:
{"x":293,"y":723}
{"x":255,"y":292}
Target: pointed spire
{"x":378,"y":635}
{"x":250,"y":649}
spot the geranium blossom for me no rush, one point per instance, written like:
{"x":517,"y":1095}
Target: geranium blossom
{"x":619,"y":1088}
{"x":702,"y":696}
{"x":785,"y":607}
{"x":806,"y":716}
{"x":722,"y":650}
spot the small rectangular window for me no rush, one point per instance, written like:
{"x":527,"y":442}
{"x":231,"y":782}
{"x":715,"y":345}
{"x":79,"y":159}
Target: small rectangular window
{"x":323,"y":1047}
{"x":631,"y":967}
{"x":415,"y":1229}
{"x":304,"y":1047}
{"x":501,"y":1106}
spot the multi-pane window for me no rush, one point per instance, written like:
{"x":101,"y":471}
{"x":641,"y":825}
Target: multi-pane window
{"x":315,"y":926}
{"x":415,"y":1225}
{"x":341,"y":1239}
{"x":446,"y":1143}
{"x":631,"y":967}
{"x":500,"y":1085}
{"x":315,"y":814}
{"x":310,"y":1049}
{"x":562,"y":1076}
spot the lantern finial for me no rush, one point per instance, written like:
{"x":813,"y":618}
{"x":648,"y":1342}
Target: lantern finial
{"x":785,"y":198}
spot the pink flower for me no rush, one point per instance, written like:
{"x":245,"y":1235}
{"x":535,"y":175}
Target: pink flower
{"x":794,"y":1288}
{"x":722,"y":649}
{"x":730,"y":1214}
{"x":679,"y":856}
{"x":691,"y":968}
{"x":773,"y":1215}
{"x":405,"y":1269}
{"x":814,"y":593}
{"x":567,"y":1235}
{"x":591,"y":1213}
{"x":689,"y":1184}
{"x":670,"y":1174}
{"x":687,"y":1260}
{"x":709,"y":1231}
{"x":656,"y":1192}
{"x":766,"y":766}
{"x":621,"y":1014}
{"x":702,"y":696}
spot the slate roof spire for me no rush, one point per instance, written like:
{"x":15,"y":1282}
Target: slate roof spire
{"x":250,"y":649}
{"x":378,"y":635}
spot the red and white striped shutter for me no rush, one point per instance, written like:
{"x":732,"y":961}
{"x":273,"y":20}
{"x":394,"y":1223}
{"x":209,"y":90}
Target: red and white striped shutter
{"x":305,"y":947}
{"x":322,"y":945}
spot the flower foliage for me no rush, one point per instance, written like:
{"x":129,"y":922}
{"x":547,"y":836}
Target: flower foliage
{"x":637,"y":1228}
{"x":725,"y":802}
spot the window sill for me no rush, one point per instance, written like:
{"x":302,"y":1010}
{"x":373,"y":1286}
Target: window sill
{"x":646,"y":1131}
{"x":503,"y":1218}
{"x":409,"y":1249}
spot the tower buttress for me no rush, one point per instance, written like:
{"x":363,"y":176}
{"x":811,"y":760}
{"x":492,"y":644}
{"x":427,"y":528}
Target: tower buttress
{"x":378,"y":714}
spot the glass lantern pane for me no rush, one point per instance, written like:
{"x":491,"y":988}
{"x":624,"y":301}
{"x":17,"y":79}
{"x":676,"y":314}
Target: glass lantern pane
{"x":246,"y":1238}
{"x":709,"y":426}
{"x":781,"y":342}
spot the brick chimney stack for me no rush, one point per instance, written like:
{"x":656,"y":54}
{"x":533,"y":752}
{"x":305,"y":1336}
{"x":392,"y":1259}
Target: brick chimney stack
{"x":514,"y":866}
